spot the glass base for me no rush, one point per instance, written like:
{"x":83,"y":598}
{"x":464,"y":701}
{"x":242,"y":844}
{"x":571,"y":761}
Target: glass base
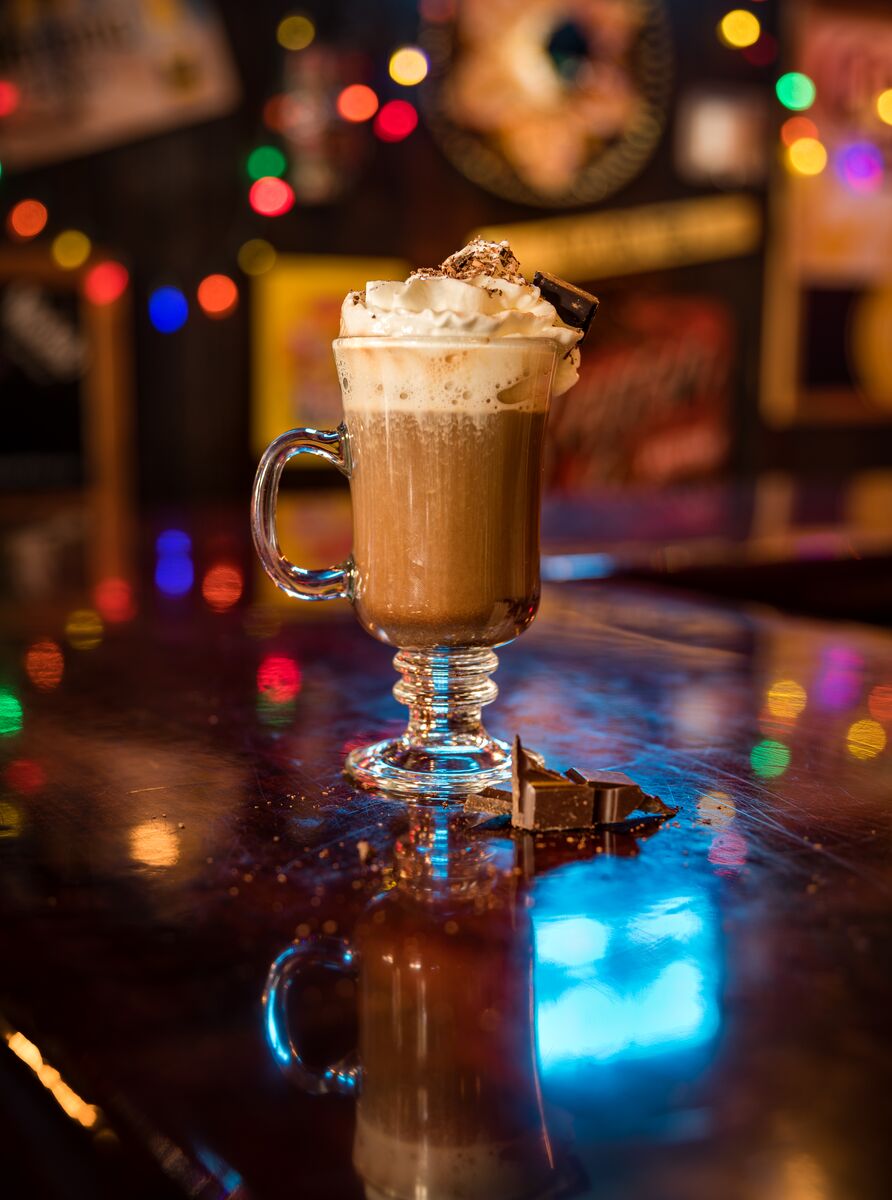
{"x":445,"y":751}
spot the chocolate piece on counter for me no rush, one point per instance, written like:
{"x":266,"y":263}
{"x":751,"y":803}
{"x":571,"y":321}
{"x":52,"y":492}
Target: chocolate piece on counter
{"x":575,"y":776}
{"x":489,"y":800}
{"x":653,"y":804}
{"x":544,"y":799}
{"x":574,"y":306}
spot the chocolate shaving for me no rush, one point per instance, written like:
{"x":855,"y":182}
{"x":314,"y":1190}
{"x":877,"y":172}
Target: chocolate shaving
{"x":574,"y":306}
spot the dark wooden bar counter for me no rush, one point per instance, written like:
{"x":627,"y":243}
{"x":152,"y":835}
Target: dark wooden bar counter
{"x":710,"y":998}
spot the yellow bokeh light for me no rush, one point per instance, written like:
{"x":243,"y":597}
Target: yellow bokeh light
{"x":154,"y":844}
{"x":256,"y":257}
{"x":884,"y":106}
{"x":67,"y":1098}
{"x":71,"y":249}
{"x":866,"y":738}
{"x":739,"y":29}
{"x":295,"y":32}
{"x":10,"y":821}
{"x":84,"y":629}
{"x":807,"y":156}
{"x":786,"y":699}
{"x":717,"y":808}
{"x":408,"y":66}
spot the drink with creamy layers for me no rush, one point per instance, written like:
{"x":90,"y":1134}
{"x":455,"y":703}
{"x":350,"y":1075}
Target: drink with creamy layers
{"x":446,"y":462}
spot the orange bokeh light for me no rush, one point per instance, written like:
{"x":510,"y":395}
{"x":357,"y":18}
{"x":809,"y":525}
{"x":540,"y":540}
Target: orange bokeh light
{"x":106,"y":282}
{"x":797,"y":127}
{"x":23,"y":775}
{"x":357,"y":103}
{"x":222,"y":586}
{"x":27,"y":219}
{"x":217,"y":295}
{"x":114,"y":600}
{"x":44,"y":665}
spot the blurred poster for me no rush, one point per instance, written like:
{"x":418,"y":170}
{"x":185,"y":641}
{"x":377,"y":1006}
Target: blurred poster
{"x":296,"y":316}
{"x":829,"y":301}
{"x":653,"y":398}
{"x":88,"y":74}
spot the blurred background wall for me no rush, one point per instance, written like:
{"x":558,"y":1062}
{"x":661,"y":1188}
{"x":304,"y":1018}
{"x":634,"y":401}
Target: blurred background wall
{"x":188,"y":189}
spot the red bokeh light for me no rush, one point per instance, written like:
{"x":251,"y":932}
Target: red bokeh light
{"x":271,"y":197}
{"x":27,"y":219}
{"x":9,"y":97}
{"x":879,"y":702}
{"x":44,"y":665}
{"x":395,"y":121}
{"x":278,"y":678}
{"x":357,"y":103}
{"x":106,"y":282}
{"x":728,"y":852}
{"x":114,"y":600}
{"x":222,"y":586}
{"x":217,"y":296}
{"x":762,"y":52}
{"x":797,"y":127}
{"x":23,"y":775}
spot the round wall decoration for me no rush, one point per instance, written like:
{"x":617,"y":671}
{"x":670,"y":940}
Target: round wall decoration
{"x":549,"y":102}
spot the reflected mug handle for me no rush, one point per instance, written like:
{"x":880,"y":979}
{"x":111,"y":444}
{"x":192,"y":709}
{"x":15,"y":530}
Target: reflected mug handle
{"x":331,"y":583}
{"x":334,"y":954}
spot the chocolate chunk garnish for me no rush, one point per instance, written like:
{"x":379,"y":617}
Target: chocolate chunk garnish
{"x":574,"y":306}
{"x":544,"y":799}
{"x":490,"y":800}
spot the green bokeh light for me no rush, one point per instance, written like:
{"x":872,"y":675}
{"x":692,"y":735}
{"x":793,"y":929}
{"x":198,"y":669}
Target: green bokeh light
{"x":770,"y":759}
{"x":795,"y":91}
{"x":266,"y":160}
{"x":10,"y":713}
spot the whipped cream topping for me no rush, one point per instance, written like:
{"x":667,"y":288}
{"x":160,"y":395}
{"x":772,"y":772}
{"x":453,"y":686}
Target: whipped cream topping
{"x":477,"y":292}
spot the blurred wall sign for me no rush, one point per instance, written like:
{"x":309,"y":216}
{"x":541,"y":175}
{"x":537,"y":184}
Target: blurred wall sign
{"x":650,"y":237}
{"x":549,"y":102}
{"x":88,"y":74}
{"x":296,"y":316}
{"x":828,"y":312}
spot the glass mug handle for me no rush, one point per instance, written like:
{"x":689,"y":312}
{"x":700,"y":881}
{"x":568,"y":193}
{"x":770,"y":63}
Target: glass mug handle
{"x":332,"y":583}
{"x":340,"y":1078}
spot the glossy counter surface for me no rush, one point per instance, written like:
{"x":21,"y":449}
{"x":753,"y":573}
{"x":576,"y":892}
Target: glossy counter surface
{"x":704,"y":1007}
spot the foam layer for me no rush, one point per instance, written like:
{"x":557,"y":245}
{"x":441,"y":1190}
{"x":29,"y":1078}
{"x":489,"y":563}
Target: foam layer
{"x":392,"y":1166}
{"x":477,"y":292}
{"x":378,"y":375}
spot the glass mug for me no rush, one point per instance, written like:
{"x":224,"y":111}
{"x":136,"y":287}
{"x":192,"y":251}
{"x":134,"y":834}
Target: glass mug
{"x":442,"y":441}
{"x":449,"y":1104}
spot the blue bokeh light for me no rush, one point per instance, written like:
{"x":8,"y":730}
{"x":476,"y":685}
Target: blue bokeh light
{"x":174,"y":574}
{"x":173,"y":541}
{"x":168,"y":309}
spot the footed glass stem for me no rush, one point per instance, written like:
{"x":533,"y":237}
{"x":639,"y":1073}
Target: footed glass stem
{"x":445,"y":750}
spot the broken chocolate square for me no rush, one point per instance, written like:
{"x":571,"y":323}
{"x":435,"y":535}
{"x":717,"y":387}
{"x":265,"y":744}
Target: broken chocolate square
{"x":489,"y":800}
{"x":574,"y":306}
{"x":545,"y":799}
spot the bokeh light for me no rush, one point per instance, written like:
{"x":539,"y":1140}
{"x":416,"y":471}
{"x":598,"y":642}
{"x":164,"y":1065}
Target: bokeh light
{"x":26,"y":220}
{"x":728,"y":852}
{"x":106,"y":282}
{"x":295,"y":32}
{"x":168,"y":309}
{"x":866,"y":739}
{"x":884,"y":106}
{"x":807,"y":156}
{"x":84,"y":629}
{"x":10,"y":97}
{"x":44,"y":664}
{"x":739,"y":28}
{"x":395,"y":121}
{"x":770,"y":759}
{"x":278,"y":679}
{"x":266,"y":160}
{"x":10,"y":821}
{"x":357,"y":103}
{"x":222,"y":586}
{"x":217,"y":296}
{"x":154,"y":844}
{"x":795,"y":128}
{"x":70,"y":249}
{"x":717,"y":808}
{"x":256,"y":256}
{"x":795,"y":91}
{"x":860,"y":166}
{"x":762,"y":52}
{"x":174,"y":573}
{"x":840,"y":681}
{"x":10,"y":712}
{"x":271,"y":197}
{"x":786,"y":699}
{"x":114,"y":600}
{"x":408,"y":66}
{"x":24,"y":775}
{"x":879,"y":702}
